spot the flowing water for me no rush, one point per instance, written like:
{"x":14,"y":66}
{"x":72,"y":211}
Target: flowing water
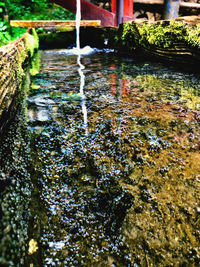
{"x":111,"y":178}
{"x":78,"y":20}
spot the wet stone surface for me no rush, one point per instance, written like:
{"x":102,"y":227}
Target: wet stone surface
{"x":15,"y":187}
{"x":116,"y":174}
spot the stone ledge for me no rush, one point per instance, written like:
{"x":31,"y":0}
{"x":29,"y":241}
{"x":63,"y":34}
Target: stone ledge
{"x":13,"y":62}
{"x":174,"y":41}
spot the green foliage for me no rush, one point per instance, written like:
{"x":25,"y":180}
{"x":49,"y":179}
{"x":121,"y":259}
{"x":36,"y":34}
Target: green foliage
{"x":18,"y":9}
{"x":7,"y":34}
{"x":17,"y":32}
{"x":2,"y":8}
{"x":5,"y":37}
{"x":29,"y":10}
{"x":59,"y":13}
{"x":36,"y":10}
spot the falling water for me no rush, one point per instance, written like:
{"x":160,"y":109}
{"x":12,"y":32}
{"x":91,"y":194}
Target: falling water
{"x":78,"y":20}
{"x":87,"y":49}
{"x":82,"y":84}
{"x":78,"y":50}
{"x":81,"y":67}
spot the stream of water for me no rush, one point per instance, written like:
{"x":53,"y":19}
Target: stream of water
{"x":111,"y":178}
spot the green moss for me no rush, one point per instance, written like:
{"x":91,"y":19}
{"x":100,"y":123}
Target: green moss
{"x":35,"y":64}
{"x":19,"y":53}
{"x":163,"y":35}
{"x":31,"y":42}
{"x":130,"y":34}
{"x":193,"y":36}
{"x":65,"y":29}
{"x":57,"y":39}
{"x":36,"y":39}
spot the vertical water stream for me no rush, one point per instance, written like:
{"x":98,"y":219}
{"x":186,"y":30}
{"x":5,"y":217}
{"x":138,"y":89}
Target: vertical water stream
{"x":81,"y":67}
{"x":78,"y":19}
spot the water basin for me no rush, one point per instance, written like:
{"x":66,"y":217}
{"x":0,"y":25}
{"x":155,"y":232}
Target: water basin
{"x":115,"y":174}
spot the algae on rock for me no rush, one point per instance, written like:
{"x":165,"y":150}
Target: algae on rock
{"x":172,"y":40}
{"x":15,"y":58}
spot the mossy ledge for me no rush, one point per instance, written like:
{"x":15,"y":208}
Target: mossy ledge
{"x":173,"y":41}
{"x":14,"y":59}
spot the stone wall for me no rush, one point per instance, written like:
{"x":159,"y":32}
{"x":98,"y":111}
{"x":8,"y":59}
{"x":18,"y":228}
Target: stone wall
{"x":14,"y":59}
{"x":15,"y":183}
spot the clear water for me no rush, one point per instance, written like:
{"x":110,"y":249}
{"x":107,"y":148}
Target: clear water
{"x":116,"y":173}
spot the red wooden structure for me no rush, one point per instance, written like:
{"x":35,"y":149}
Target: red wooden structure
{"x":121,"y":11}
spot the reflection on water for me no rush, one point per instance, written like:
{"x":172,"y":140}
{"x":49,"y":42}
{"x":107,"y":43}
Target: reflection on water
{"x":82,"y":84}
{"x":127,"y":192}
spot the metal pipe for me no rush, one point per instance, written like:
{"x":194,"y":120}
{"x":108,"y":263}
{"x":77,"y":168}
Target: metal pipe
{"x":120,"y":11}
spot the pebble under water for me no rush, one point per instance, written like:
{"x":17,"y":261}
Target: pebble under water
{"x":115,"y":175}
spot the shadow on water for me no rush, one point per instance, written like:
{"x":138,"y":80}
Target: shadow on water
{"x":127,"y":192}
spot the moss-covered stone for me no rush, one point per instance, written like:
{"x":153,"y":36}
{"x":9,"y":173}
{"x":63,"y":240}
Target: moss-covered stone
{"x":58,"y":39}
{"x":172,"y":40}
{"x":13,"y":65}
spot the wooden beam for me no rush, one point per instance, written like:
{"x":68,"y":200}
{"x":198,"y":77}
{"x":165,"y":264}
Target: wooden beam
{"x":190,"y":5}
{"x":161,"y":2}
{"x":189,"y":20}
{"x":53,"y":23}
{"x":149,"y":2}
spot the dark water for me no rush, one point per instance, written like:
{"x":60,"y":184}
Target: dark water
{"x":115,"y":174}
